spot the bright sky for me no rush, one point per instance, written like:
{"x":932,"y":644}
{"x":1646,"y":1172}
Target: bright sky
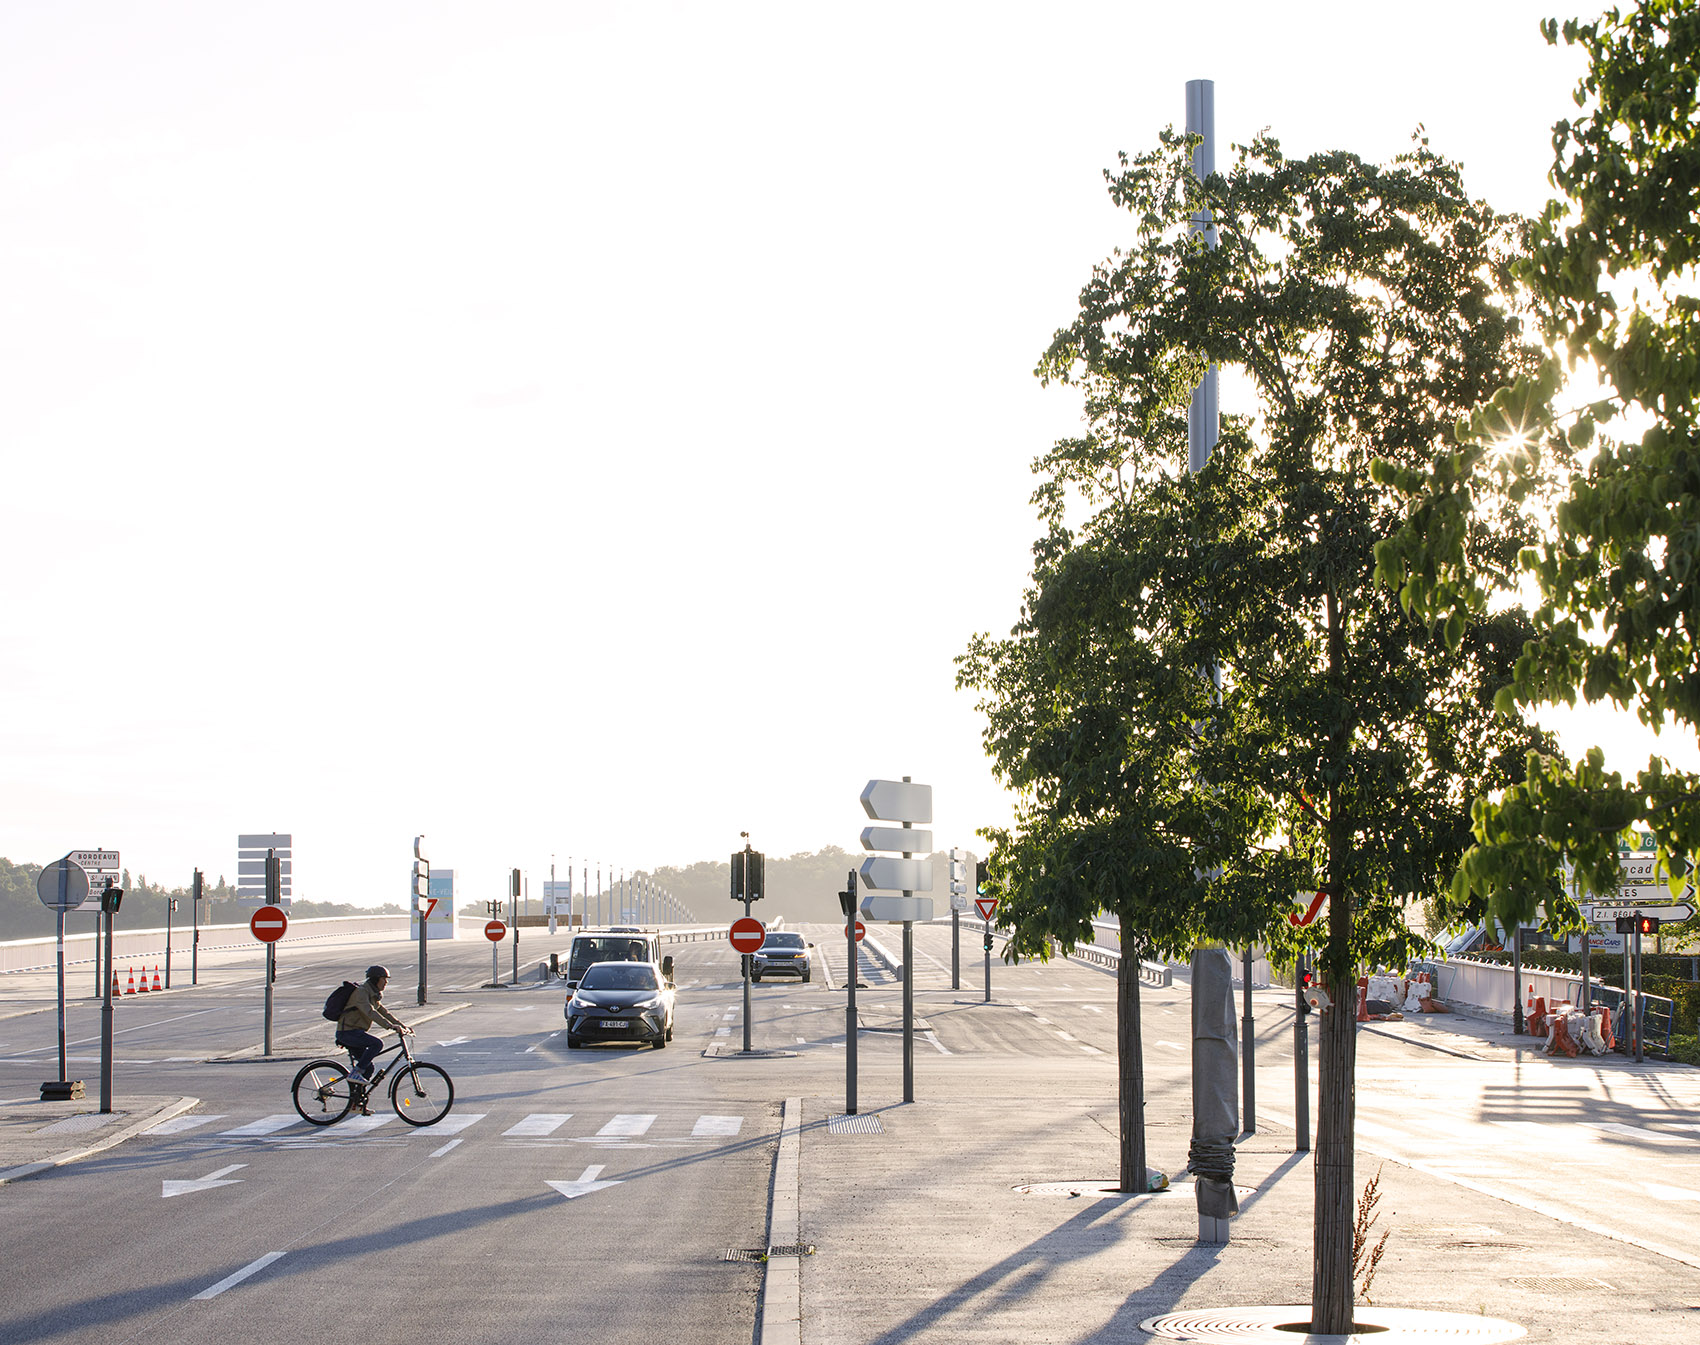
{"x":578,"y":429}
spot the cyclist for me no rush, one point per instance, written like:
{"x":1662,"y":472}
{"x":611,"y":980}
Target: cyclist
{"x":365,"y":1007}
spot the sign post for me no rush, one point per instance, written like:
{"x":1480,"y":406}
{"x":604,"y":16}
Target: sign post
{"x":99,"y":865}
{"x":748,"y":872}
{"x":110,"y":898}
{"x":493,"y":931}
{"x":907,"y":803}
{"x":267,"y":925}
{"x":421,"y":895}
{"x":62,"y":886}
{"x":853,"y":935}
{"x":195,"y":922}
{"x":987,"y":907}
{"x":514,"y":889}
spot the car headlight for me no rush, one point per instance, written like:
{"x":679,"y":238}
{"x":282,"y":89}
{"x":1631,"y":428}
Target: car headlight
{"x":654,"y":1002}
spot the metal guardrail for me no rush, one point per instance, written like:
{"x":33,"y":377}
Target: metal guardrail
{"x":40,"y":954}
{"x":1156,"y":974}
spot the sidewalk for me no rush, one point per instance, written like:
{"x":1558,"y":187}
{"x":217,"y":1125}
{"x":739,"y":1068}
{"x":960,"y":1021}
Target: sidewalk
{"x":37,"y":1135}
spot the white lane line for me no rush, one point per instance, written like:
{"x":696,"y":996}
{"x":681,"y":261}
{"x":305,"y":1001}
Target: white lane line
{"x":934,"y":1038}
{"x":1661,"y":1192}
{"x":453,"y":1125}
{"x":1067,"y":1037}
{"x":266,"y":1125}
{"x":539,"y":1123}
{"x":1091,"y":1008}
{"x":1638,"y":1133}
{"x":1171,"y":1045}
{"x":231,"y":1280}
{"x":719,"y":1031}
{"x":1090,"y":1050}
{"x":177,"y":1124}
{"x":627,"y":1125}
{"x":716,"y":1127}
{"x":1045,"y":1021}
{"x":443,"y":1149}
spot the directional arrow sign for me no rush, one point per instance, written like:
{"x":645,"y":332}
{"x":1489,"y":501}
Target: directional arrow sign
{"x":895,"y":910}
{"x":220,"y":1178}
{"x":1670,"y":912}
{"x":897,"y":875}
{"x":898,"y":801}
{"x":585,"y":1184}
{"x":900,"y":839}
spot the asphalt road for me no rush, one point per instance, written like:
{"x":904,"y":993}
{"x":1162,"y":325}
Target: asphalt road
{"x":595,"y":1194}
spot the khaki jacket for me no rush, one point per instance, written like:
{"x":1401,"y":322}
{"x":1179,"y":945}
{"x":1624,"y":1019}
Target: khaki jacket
{"x":365,"y":1007}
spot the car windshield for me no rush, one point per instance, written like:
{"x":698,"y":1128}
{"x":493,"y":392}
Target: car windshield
{"x":784,"y":941}
{"x":618,"y":948}
{"x":620,"y":976}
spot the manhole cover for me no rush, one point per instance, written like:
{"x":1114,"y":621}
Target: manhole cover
{"x":1559,"y":1284}
{"x":854,"y":1125}
{"x":1285,"y":1326}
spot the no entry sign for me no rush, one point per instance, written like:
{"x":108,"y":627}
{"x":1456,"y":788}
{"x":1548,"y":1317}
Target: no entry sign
{"x":861,"y":931}
{"x":268,"y":923}
{"x":494,"y":931}
{"x":747,"y":934}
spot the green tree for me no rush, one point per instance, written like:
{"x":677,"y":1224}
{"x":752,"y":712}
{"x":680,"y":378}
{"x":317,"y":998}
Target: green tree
{"x":1338,"y":744}
{"x":1616,"y":567}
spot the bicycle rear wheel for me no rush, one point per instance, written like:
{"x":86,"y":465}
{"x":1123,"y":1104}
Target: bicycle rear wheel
{"x":324,"y":1091}
{"x":422,"y":1093}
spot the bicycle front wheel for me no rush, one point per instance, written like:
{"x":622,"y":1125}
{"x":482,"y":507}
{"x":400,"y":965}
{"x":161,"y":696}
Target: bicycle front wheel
{"x":422,"y":1093}
{"x":324,"y":1091}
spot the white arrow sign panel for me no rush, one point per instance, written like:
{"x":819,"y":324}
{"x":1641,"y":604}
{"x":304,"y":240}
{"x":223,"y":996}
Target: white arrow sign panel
{"x":897,"y":875}
{"x":898,"y":801}
{"x":585,"y":1184}
{"x":220,"y":1178}
{"x":908,"y":840}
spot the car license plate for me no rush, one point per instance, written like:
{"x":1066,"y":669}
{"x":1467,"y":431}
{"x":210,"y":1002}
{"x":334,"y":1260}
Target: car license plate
{"x":612,"y":1022}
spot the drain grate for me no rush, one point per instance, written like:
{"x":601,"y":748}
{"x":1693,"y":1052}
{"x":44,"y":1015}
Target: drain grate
{"x":1283,"y":1325}
{"x":793,"y":1249}
{"x":745,"y":1254}
{"x":854,"y":1125}
{"x":1559,"y":1284}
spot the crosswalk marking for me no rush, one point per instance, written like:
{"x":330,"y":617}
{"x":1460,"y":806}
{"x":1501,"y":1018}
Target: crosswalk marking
{"x":453,"y":1125}
{"x":627,"y":1125}
{"x":266,"y":1125}
{"x":178,"y":1124}
{"x":716,"y":1127}
{"x":539,"y":1123}
{"x":362,"y":1125}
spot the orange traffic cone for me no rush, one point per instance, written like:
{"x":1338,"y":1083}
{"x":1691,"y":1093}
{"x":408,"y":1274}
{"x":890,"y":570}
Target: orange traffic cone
{"x":156,"y":984}
{"x":1529,"y":1001}
{"x":142,"y":989}
{"x":116,"y":992}
{"x":130,"y":989}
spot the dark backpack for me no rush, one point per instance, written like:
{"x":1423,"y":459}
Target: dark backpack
{"x":337,"y":1001}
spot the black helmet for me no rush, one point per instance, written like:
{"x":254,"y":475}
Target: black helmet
{"x":375,"y":973}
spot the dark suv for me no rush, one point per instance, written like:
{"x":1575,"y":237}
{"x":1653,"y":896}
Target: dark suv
{"x":782,"y":954}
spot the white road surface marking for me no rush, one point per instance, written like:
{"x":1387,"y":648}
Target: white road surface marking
{"x":229,"y":1281}
{"x":539,"y":1123}
{"x":716,"y":1127}
{"x":453,"y":1125}
{"x":439,"y":1152}
{"x":266,"y":1125}
{"x":627,"y":1125}
{"x":177,"y":1124}
{"x":220,"y":1178}
{"x":934,"y":1038}
{"x":1090,"y":1050}
{"x":585,"y":1184}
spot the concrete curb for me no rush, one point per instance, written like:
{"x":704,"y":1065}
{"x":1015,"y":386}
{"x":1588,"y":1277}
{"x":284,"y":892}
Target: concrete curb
{"x":251,"y":1052}
{"x":782,"y":1283}
{"x":893,"y":963}
{"x":130,"y":1131}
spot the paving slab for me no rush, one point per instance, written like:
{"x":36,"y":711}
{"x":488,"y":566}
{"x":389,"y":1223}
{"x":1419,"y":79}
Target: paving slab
{"x":35,"y":1135}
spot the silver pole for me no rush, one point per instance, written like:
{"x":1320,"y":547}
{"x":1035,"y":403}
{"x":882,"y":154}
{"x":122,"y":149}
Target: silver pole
{"x":1204,"y":419}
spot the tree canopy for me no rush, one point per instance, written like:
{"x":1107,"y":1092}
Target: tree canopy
{"x":1612,"y":481}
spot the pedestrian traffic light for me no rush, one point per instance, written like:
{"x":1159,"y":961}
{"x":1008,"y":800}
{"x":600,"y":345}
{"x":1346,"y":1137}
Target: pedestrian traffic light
{"x":1649,"y":924}
{"x":980,"y":878}
{"x":847,"y":898}
{"x":513,"y":884}
{"x":986,"y":942}
{"x":1307,"y":983}
{"x":111,"y":898}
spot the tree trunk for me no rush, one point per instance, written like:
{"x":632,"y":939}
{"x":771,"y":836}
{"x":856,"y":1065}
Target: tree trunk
{"x":1331,"y":1293}
{"x":1130,"y":1071}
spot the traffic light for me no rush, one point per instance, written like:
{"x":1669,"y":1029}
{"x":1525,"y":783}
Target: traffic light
{"x":847,"y":898}
{"x":753,"y":876}
{"x":737,"y":875}
{"x":958,"y":874}
{"x":111,"y":898}
{"x":1307,"y":983}
{"x":986,"y":942}
{"x":1649,"y":924}
{"x":980,"y":878}
{"x":274,"y":878}
{"x":513,"y":884}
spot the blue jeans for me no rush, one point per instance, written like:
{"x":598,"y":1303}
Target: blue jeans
{"x":363,"y":1045}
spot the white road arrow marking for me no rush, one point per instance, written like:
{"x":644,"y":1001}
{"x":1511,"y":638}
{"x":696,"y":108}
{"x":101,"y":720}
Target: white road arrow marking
{"x":205,"y":1183}
{"x":454,"y":1041}
{"x":585,"y":1184}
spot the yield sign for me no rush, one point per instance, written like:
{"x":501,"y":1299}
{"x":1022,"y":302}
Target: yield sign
{"x":1308,"y":907}
{"x":220,"y":1178}
{"x":986,"y":906}
{"x":585,"y":1184}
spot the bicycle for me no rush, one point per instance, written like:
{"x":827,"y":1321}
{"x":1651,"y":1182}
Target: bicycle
{"x":421,"y":1092}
